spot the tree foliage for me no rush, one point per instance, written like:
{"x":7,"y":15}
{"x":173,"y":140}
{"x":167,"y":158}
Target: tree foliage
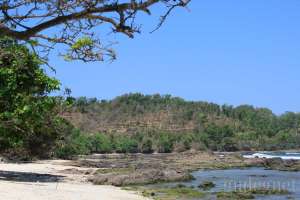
{"x":29,"y":118}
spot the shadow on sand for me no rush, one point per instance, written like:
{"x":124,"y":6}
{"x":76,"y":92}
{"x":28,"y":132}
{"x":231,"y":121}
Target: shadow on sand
{"x":28,"y":177}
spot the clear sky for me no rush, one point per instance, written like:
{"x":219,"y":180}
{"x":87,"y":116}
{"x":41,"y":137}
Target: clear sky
{"x":233,"y":52}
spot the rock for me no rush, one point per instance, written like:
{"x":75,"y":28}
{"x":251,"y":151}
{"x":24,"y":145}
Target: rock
{"x":76,"y":171}
{"x":283,"y":165}
{"x":98,"y":180}
{"x":140,"y":177}
{"x":273,"y":162}
{"x":119,"y":180}
{"x":3,"y":160}
{"x":206,"y":185}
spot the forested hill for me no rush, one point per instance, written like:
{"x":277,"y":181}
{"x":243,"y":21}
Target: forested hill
{"x":240,"y":127}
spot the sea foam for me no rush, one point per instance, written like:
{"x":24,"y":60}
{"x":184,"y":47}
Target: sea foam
{"x":284,"y":156}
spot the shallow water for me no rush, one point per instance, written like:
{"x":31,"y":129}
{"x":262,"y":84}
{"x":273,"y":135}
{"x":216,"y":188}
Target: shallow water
{"x":239,"y":179}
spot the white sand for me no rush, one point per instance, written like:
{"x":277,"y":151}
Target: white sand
{"x":71,"y":188}
{"x":62,"y":191}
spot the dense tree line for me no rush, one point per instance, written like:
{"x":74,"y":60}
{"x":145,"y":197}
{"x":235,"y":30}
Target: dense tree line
{"x":218,"y":127}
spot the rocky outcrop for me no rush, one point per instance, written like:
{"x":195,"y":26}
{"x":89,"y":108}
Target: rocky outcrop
{"x":282,"y":165}
{"x":140,"y":176}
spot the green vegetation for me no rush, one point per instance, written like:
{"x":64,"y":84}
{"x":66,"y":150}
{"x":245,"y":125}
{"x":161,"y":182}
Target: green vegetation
{"x":74,"y":144}
{"x":183,"y":192}
{"x":268,"y":191}
{"x":30,"y":124}
{"x":178,"y":192}
{"x":125,"y":145}
{"x":148,"y":123}
{"x":234,"y":196}
{"x":100,"y":143}
{"x":78,"y":143}
{"x":147,"y":146}
{"x":250,"y":193}
{"x":165,"y":143}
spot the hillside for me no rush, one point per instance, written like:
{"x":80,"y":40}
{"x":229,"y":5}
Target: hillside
{"x":136,"y":112}
{"x":247,"y":127}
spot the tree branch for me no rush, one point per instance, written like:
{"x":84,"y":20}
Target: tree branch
{"x":25,"y":20}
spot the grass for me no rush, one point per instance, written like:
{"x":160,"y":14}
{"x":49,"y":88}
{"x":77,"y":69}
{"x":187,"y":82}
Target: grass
{"x":234,"y":196}
{"x":173,"y":193}
{"x":182,"y":192}
{"x":249,"y":193}
{"x":268,"y":191}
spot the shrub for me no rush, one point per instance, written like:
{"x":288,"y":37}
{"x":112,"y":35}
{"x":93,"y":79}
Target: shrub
{"x":287,"y":140}
{"x":100,"y":143}
{"x":76,"y":144}
{"x":146,"y":146}
{"x":126,"y":145}
{"x":187,"y":140}
{"x":165,"y":143}
{"x":29,"y":118}
{"x":218,"y":138}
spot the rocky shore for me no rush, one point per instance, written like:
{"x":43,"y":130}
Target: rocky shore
{"x":125,"y":170}
{"x":138,"y":169}
{"x":132,"y":169}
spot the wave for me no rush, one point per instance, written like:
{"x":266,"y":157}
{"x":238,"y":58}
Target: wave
{"x":285,"y":156}
{"x":288,"y":153}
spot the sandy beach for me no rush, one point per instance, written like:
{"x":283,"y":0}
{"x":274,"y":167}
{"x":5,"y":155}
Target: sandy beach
{"x":50,"y":180}
{"x":62,"y":191}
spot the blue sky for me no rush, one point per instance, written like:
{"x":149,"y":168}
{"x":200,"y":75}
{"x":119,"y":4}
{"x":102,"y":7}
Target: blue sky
{"x":233,"y":52}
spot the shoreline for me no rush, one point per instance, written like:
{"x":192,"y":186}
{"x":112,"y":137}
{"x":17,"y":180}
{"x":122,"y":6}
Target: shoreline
{"x":60,"y":191}
{"x":94,"y":175}
{"x":55,"y":180}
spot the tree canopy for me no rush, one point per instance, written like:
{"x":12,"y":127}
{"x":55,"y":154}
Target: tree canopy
{"x":171,"y":123}
{"x":74,"y":23}
{"x":29,"y":118}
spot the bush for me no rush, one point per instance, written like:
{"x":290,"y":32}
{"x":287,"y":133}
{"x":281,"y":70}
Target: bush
{"x":287,"y":140}
{"x":76,"y":144}
{"x":218,"y":138}
{"x":165,"y":143}
{"x":246,"y":141}
{"x":187,"y":140}
{"x":29,"y":118}
{"x":126,"y":145}
{"x":100,"y":143}
{"x":146,"y":146}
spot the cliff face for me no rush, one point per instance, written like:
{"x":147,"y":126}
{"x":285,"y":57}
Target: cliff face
{"x":160,"y":121}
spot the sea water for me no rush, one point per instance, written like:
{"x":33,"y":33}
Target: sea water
{"x":243,"y":179}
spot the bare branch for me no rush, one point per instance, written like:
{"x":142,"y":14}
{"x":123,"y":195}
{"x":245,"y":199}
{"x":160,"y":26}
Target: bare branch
{"x":72,"y":20}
